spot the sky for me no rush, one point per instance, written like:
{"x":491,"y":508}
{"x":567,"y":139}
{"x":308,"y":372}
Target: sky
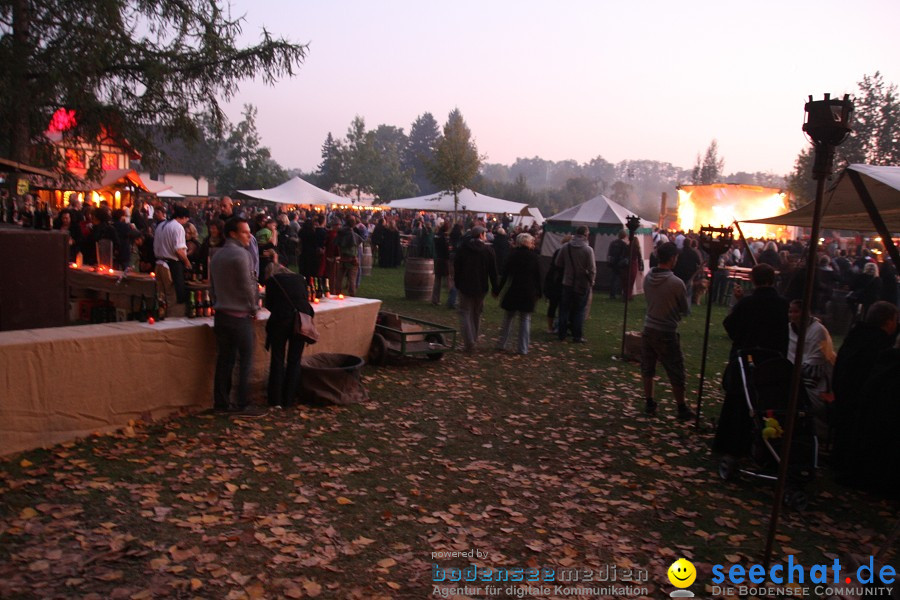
{"x":625,"y":80}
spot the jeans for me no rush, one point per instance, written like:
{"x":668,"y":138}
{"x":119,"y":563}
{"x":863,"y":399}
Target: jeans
{"x":524,"y":330}
{"x":436,"y":288}
{"x":347,"y":269}
{"x":571,"y":313}
{"x":234,"y":339}
{"x":284,"y":383}
{"x":470,"y":309}
{"x":451,"y":286}
{"x":616,"y":282}
{"x":689,"y":294}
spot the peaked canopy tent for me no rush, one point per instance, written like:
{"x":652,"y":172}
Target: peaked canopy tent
{"x":863,"y":198}
{"x":604,"y":219}
{"x":296,"y":191}
{"x":469,"y":201}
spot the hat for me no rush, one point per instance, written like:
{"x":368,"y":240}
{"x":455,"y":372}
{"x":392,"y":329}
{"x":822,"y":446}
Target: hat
{"x":478,"y":230}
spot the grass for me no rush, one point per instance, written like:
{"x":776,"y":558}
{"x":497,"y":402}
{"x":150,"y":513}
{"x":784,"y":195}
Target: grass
{"x":543,"y":460}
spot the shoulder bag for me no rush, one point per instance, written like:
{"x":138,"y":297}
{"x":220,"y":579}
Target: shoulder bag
{"x":304,"y":325}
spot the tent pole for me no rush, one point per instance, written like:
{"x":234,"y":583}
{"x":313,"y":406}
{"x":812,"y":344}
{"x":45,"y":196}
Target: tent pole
{"x":714,"y":263}
{"x":797,"y":373}
{"x":627,"y":292}
{"x":877,"y":221}
{"x":746,"y":245}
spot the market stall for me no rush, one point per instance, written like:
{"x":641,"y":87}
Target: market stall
{"x":68,"y":382}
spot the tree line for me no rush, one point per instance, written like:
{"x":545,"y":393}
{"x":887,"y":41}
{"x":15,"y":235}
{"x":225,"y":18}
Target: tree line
{"x":153,"y":72}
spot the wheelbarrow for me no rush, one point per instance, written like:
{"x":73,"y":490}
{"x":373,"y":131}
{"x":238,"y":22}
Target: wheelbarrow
{"x":398,"y":335}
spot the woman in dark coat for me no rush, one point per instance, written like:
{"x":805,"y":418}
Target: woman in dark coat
{"x":865,"y":290}
{"x":308,"y":261}
{"x":286,"y":293}
{"x":524,"y":276}
{"x":441,"y":261}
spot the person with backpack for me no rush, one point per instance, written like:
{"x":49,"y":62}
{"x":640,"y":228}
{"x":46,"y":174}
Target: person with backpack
{"x":617,"y":261}
{"x":553,"y":286}
{"x":348,"y":243}
{"x":579,"y":269}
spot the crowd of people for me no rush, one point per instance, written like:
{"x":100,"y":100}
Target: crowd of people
{"x":849,"y":391}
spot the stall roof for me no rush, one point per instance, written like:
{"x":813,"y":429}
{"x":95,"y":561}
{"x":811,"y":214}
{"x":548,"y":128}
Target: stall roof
{"x":23,"y":168}
{"x":115,"y":177}
{"x":842,"y":207}
{"x":600,"y":214}
{"x":469,"y":201}
{"x":296,"y":191}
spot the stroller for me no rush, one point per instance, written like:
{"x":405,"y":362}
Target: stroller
{"x":758,"y":387}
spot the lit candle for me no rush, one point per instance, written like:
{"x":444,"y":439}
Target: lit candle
{"x":340,"y":296}
{"x":153,"y":274}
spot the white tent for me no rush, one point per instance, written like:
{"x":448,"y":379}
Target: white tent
{"x":169,"y":193}
{"x":605,"y":219}
{"x":844,"y":209}
{"x":296,"y":191}
{"x":469,"y":201}
{"x":533,"y":216}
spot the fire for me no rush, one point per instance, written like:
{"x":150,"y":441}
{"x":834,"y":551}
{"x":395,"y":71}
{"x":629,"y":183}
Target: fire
{"x":720,"y":204}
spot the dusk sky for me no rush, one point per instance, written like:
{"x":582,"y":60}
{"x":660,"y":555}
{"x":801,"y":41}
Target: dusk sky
{"x":570,"y":80}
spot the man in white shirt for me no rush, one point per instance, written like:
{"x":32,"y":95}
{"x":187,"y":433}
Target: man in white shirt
{"x":170,"y":248}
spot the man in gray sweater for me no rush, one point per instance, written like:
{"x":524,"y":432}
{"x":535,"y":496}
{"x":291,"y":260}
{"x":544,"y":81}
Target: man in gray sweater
{"x":235,"y":298}
{"x":576,"y":259}
{"x":660,"y":341}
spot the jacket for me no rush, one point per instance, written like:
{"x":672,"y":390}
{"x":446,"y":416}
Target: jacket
{"x":523,"y":273}
{"x":231,"y":283}
{"x":577,"y":261}
{"x":759,"y":320}
{"x":666,"y":303}
{"x":285,"y":293}
{"x":475,"y":267}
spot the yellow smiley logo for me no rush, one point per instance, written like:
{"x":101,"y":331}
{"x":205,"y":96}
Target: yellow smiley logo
{"x":682,"y":573}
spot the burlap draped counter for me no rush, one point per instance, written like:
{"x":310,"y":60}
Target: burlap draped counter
{"x":68,"y":382}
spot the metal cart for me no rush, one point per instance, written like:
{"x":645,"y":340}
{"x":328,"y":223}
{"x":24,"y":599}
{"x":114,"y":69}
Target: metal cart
{"x":407,"y":336}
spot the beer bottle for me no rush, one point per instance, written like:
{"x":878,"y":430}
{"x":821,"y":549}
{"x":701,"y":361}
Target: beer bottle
{"x":190,"y":309}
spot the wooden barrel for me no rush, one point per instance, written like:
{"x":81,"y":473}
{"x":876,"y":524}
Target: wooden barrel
{"x":366,"y":264}
{"x":418,"y":280}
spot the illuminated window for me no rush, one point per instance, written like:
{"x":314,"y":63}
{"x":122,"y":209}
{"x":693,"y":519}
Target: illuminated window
{"x":74,"y":159}
{"x":110,"y":161}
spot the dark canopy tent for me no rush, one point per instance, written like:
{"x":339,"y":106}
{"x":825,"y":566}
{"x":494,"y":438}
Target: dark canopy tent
{"x":863,"y":198}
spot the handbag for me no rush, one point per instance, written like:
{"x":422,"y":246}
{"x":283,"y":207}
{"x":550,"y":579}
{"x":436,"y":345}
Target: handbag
{"x":304,"y":325}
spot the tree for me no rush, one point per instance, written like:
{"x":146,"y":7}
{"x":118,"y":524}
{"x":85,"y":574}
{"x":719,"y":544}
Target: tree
{"x":875,"y":139}
{"x":621,"y":193}
{"x":123,"y":64}
{"x":424,"y":135}
{"x":456,"y":158}
{"x":360,"y":159}
{"x":331,"y":169}
{"x":711,"y":170}
{"x":876,"y":125}
{"x":393,"y":180}
{"x":800,"y":183}
{"x":247,"y":164}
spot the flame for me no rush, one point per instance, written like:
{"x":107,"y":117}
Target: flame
{"x":687,"y":212}
{"x":722,"y":204}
